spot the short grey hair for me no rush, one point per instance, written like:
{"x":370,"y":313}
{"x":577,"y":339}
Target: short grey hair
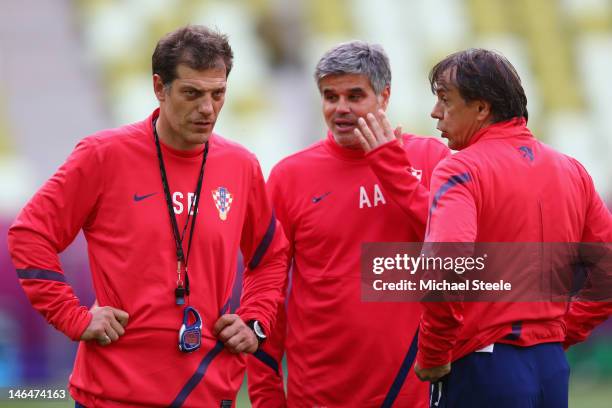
{"x":357,"y":57}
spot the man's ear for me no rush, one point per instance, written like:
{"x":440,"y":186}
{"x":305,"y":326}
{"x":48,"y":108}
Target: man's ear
{"x":484,"y":110}
{"x":385,"y":95}
{"x":159,"y":88}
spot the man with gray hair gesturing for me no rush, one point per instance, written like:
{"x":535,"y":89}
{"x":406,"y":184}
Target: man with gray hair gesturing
{"x":365,"y":182}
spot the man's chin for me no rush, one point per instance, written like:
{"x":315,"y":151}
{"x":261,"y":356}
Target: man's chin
{"x":452,"y":144}
{"x":200,"y":138}
{"x":347,"y":140}
{"x":348,"y":133}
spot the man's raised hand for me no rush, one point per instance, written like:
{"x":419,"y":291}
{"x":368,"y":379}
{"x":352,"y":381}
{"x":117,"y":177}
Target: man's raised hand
{"x":375,"y":130}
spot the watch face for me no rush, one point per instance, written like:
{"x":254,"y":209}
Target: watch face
{"x":258,"y":330}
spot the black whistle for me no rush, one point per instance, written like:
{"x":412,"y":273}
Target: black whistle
{"x":179,"y":295}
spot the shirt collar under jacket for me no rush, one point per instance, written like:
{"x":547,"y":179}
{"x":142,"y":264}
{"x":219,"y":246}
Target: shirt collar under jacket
{"x":515,"y":127}
{"x":342,"y":152}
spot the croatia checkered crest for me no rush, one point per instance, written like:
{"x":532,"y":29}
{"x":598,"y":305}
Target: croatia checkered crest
{"x":223,"y":200}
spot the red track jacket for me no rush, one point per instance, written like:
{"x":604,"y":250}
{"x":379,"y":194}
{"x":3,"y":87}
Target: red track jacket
{"x":341,"y":351}
{"x":110,"y":187}
{"x":506,"y":186}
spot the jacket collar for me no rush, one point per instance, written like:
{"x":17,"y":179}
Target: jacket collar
{"x":342,"y":152}
{"x":509,"y":128}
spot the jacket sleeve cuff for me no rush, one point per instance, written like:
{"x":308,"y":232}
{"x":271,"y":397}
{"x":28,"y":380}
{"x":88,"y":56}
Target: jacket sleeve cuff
{"x":83,"y":319}
{"x":386,"y":147}
{"x":440,"y":359}
{"x":248,"y":316}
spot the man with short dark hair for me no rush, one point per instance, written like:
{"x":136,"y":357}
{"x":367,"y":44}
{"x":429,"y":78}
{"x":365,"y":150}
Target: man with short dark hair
{"x":503,"y":186}
{"x":365,"y":182}
{"x":165,"y":205}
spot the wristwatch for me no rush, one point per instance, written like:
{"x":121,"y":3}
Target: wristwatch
{"x":257,"y":329}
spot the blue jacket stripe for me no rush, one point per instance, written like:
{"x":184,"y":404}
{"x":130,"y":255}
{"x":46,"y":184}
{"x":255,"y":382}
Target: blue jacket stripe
{"x":517,"y":327}
{"x":264,"y":244}
{"x":450,"y":183}
{"x":267,"y":360}
{"x":400,"y":378}
{"x":41,"y":274}
{"x":453,"y":181}
{"x":197,"y":376}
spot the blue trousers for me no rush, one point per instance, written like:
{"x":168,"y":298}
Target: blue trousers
{"x":509,"y":377}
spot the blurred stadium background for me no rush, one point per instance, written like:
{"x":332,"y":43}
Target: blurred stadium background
{"x":71,"y":67}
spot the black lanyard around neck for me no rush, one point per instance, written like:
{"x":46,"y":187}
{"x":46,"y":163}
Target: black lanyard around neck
{"x":182,"y":289}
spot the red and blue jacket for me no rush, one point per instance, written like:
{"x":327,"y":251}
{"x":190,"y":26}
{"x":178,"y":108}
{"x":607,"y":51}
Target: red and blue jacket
{"x":342,"y":351}
{"x":110,"y":188}
{"x":505,"y":187}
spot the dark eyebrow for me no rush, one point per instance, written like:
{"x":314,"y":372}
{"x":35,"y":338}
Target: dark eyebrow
{"x":357,"y":90}
{"x":441,"y":88}
{"x":189,"y":87}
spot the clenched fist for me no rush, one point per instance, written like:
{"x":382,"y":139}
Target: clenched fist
{"x":106,"y":326}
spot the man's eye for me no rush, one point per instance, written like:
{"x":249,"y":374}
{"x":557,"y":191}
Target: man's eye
{"x":331,"y":98}
{"x":190,"y":92}
{"x":355,"y":98}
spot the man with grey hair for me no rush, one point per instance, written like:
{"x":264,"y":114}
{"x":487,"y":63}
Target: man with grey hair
{"x":365,"y":182}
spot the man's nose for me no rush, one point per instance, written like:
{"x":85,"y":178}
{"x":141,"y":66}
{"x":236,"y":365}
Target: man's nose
{"x":343,"y":106}
{"x":205,"y":106}
{"x":436,"y":112}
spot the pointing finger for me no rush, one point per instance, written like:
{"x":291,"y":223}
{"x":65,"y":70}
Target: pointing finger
{"x":386,"y":125}
{"x":367,"y":133}
{"x":362,"y":140}
{"x":398,"y":134}
{"x":376,"y":128}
